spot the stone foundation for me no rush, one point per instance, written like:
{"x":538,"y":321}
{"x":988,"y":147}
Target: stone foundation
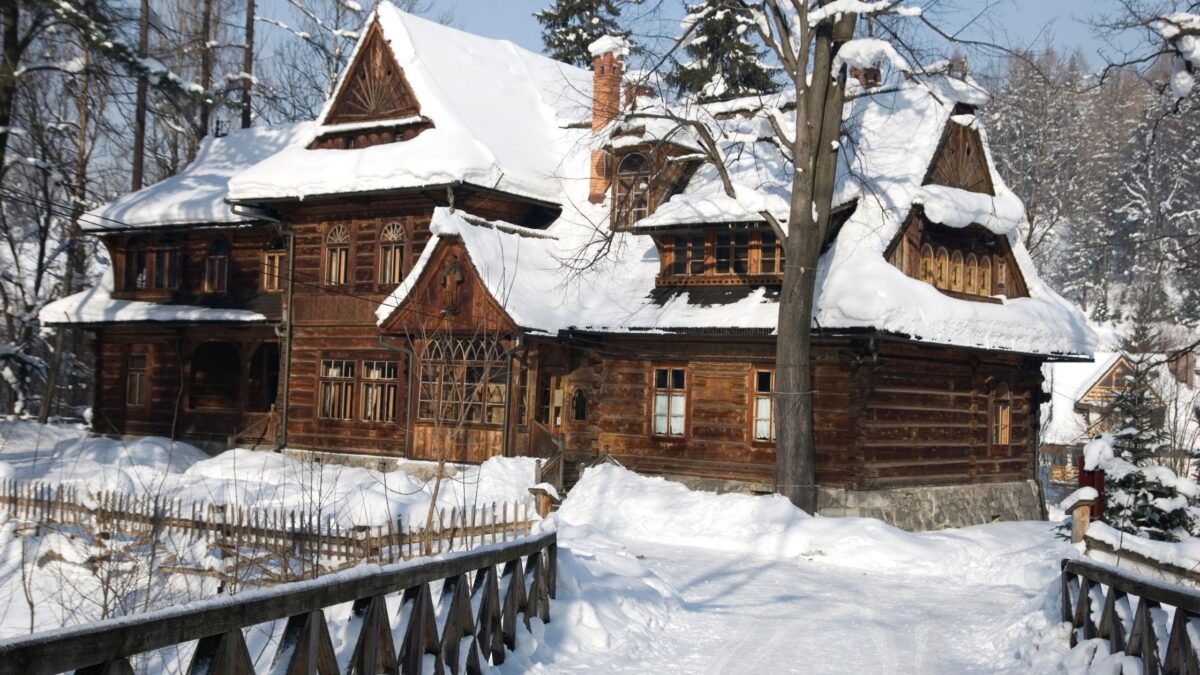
{"x":935,"y":508}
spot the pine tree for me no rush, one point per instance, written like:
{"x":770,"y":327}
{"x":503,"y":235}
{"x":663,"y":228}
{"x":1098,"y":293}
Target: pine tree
{"x":722,"y":62}
{"x":569,"y":26}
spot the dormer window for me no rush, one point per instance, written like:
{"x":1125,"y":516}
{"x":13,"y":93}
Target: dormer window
{"x":721,"y":257}
{"x":216,"y":267}
{"x":631,"y":201}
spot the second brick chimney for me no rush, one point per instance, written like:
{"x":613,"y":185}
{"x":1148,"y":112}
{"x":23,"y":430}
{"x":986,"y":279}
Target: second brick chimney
{"x":608,"y":67}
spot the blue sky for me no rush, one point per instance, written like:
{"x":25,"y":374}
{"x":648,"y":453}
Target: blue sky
{"x":1010,"y":22}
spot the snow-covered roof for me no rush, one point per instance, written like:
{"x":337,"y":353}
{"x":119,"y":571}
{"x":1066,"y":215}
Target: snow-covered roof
{"x":197,"y":194}
{"x":96,"y":305}
{"x":500,"y":117}
{"x":895,"y":137}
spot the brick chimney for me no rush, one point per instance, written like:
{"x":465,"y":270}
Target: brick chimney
{"x":869,"y":78}
{"x":608,"y":67}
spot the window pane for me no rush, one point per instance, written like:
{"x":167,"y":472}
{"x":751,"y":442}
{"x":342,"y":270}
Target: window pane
{"x":678,"y":404}
{"x":767,"y":253}
{"x":697,"y":257}
{"x":677,"y":378}
{"x":660,"y":378}
{"x":679,"y":263}
{"x":741,"y":253}
{"x":723,"y":252}
{"x":762,"y":382}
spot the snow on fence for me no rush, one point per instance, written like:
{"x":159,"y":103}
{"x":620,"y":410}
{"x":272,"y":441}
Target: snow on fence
{"x":260,"y":545}
{"x":480,"y":613}
{"x":1092,"y":591}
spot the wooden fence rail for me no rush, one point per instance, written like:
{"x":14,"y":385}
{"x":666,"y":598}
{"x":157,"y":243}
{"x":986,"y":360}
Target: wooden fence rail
{"x":1129,"y":629}
{"x":301,"y":543}
{"x":477,"y":617}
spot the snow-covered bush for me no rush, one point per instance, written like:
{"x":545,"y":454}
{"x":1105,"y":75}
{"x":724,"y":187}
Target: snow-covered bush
{"x":1142,"y":498}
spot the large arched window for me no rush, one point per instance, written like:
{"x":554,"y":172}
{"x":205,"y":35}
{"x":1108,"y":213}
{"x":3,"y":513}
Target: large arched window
{"x":985,"y":275}
{"x":942,"y":271}
{"x":216,"y":267}
{"x":927,"y":267}
{"x":970,"y":283}
{"x":337,"y":256}
{"x":1001,"y":421}
{"x":631,"y":201}
{"x":956,"y":271}
{"x":391,"y":254}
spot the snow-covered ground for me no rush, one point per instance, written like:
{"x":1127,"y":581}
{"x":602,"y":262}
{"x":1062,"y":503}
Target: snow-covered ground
{"x":652,"y":576}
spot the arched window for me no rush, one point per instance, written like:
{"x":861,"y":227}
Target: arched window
{"x":1001,"y":276}
{"x":985,"y":275}
{"x":216,"y":267}
{"x":927,"y":273}
{"x":631,"y":201}
{"x":337,"y":256}
{"x":956,"y":271}
{"x":272,"y":266}
{"x":1001,"y":415}
{"x":942,"y":271}
{"x":970,"y":284}
{"x":391,"y":254}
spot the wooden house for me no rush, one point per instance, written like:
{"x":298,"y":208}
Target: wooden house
{"x":477,"y":251}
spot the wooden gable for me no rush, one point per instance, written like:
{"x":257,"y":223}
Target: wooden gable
{"x":1107,"y":386}
{"x":374,"y":87}
{"x":449,"y":297}
{"x":960,"y":161}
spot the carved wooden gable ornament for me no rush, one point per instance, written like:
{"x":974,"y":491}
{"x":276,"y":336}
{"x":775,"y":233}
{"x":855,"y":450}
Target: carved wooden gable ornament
{"x":374,"y":87}
{"x":960,"y":161}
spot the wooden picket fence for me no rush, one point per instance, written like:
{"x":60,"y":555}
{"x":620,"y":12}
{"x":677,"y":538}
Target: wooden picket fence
{"x":260,"y":545}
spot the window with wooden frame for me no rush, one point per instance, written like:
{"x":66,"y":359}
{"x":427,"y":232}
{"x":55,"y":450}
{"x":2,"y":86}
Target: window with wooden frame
{"x":928,"y":274}
{"x":462,"y":380}
{"x":579,"y":406}
{"x":378,"y":390}
{"x":337,"y":389}
{"x":956,"y":271}
{"x":337,"y":256}
{"x":723,"y":252}
{"x":687,"y":255}
{"x":391,"y":254}
{"x":985,"y":275}
{"x":669,"y":402}
{"x":942,"y":268}
{"x":150,"y":267}
{"x":631,"y":190}
{"x":770,"y":255}
{"x":763,"y":408}
{"x":272,"y":265}
{"x":1001,"y":276}
{"x":1001,"y":415}
{"x":216,"y":267}
{"x":135,"y":380}
{"x":972,"y":274}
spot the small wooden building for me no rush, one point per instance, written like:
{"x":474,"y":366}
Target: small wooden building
{"x":477,"y":251}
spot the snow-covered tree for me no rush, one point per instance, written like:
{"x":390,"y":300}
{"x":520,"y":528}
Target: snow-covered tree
{"x":718,"y":61}
{"x":569,"y":26}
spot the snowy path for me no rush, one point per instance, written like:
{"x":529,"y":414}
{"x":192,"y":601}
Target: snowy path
{"x":806,"y":616}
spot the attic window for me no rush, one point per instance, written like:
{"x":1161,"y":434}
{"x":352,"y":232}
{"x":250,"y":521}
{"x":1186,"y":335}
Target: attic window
{"x":722,"y":257}
{"x":631,"y":201}
{"x":216,"y":267}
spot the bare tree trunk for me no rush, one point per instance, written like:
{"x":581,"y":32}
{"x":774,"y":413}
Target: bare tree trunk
{"x":247,"y":64}
{"x":139,"y":115}
{"x":83,"y":106}
{"x":818,"y":125}
{"x":206,"y":67}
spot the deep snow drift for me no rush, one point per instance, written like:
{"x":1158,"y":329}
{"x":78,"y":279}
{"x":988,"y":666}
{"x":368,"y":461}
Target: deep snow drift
{"x":652,"y":576}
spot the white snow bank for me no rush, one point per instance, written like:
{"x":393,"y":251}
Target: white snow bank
{"x":628,"y":506}
{"x":154,"y":466}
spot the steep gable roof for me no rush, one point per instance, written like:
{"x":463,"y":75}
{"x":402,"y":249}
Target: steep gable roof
{"x":502,"y":118}
{"x":373,"y":88}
